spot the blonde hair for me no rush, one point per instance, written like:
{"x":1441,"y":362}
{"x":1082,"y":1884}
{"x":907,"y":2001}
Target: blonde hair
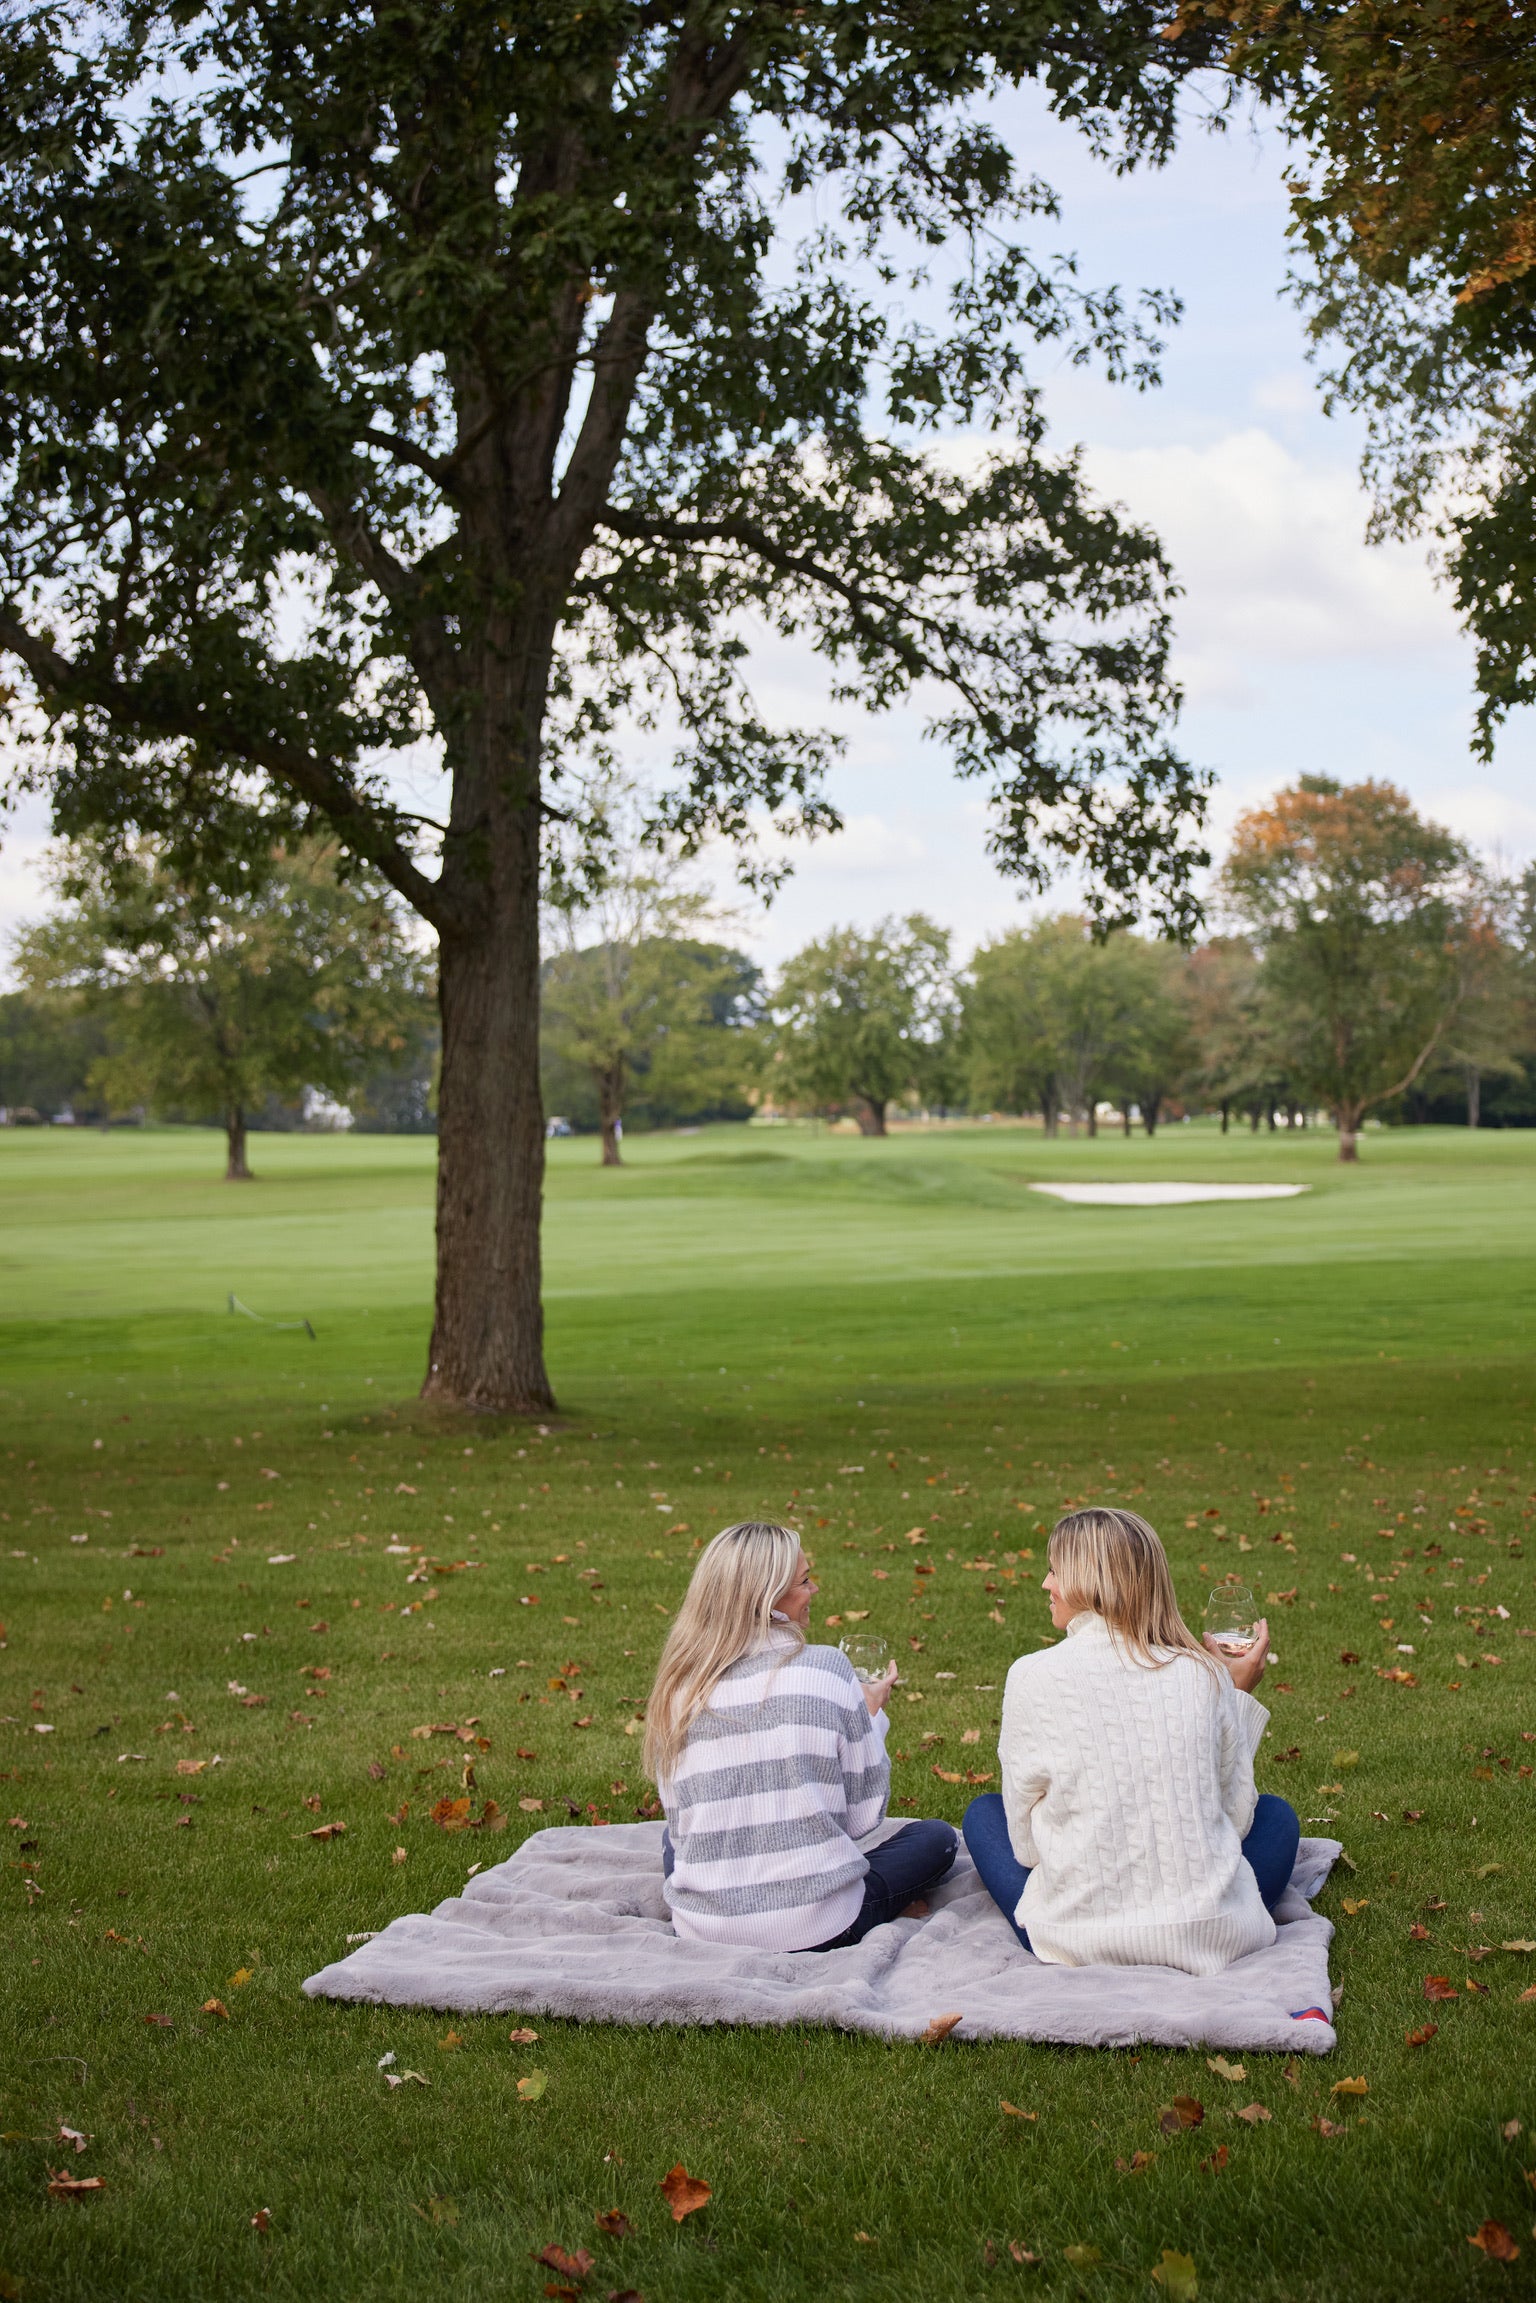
{"x":727,"y":1612}
{"x":1114,"y":1562}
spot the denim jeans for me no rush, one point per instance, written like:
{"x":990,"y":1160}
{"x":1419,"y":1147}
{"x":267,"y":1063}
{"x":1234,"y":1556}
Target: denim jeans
{"x":1270,"y":1851}
{"x":904,"y":1866}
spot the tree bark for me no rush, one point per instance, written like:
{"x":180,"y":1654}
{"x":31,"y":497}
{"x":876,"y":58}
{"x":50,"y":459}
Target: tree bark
{"x":1050,"y":1114}
{"x":1151,"y":1109}
{"x":487,"y":1347}
{"x":1093,"y":1119}
{"x":1225,"y":1114}
{"x":1349,"y":1116}
{"x":1474,"y":1096}
{"x":869,"y":1111}
{"x":1125,"y":1120}
{"x":610,"y":1106}
{"x":236,"y":1170}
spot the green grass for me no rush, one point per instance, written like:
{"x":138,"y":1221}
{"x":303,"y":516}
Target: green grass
{"x":732,"y":1319}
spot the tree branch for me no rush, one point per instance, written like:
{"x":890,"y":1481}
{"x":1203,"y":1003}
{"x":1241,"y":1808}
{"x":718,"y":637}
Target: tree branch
{"x":322,"y":783}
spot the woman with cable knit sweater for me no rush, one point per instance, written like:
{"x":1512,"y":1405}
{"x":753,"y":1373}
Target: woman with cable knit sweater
{"x":1128,"y":1830}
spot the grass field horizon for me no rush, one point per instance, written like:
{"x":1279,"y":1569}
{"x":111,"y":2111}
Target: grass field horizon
{"x":734,"y":1319}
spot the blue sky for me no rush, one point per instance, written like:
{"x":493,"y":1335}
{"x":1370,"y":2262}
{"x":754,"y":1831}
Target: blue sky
{"x":1300,"y":647}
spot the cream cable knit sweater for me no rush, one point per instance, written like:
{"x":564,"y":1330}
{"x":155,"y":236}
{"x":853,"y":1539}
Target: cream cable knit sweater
{"x":1128,"y":1792}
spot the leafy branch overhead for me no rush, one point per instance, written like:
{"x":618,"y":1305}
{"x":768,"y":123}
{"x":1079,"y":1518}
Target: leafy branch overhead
{"x":379,"y":327}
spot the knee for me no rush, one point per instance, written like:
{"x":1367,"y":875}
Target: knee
{"x":984,"y":1814}
{"x":1277,"y":1813}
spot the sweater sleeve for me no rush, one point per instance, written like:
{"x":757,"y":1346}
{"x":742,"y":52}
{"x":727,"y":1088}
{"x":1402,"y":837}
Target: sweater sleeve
{"x":1243,"y":1721}
{"x":866,"y":1767}
{"x":1024,"y":1770}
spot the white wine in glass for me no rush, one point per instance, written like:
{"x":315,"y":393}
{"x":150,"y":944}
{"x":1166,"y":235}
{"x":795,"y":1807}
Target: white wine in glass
{"x":867,"y":1655}
{"x":1231,"y":1619}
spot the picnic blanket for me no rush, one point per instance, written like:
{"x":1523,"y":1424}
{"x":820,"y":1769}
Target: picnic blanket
{"x":575,"y":1924}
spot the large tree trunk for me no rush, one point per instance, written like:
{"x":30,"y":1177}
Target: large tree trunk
{"x":869,"y":1111}
{"x":1349,"y":1116}
{"x":1151,"y":1112}
{"x":1474,"y":1097}
{"x":1050,"y":1113}
{"x":236,"y":1170}
{"x":488,"y":1334}
{"x":1225,"y":1114}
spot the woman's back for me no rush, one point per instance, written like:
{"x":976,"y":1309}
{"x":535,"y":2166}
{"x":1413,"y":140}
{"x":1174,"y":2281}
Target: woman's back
{"x":779,"y":1775}
{"x":1128,"y":1788}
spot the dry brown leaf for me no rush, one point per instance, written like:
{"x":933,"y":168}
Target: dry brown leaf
{"x":1184,"y":2111}
{"x":1439,"y":1987}
{"x":940,"y":2028}
{"x":161,"y":2022}
{"x":65,"y":2186}
{"x":1328,"y":2127}
{"x":685,"y":2194}
{"x":531,"y":1806}
{"x":1510,"y":2129}
{"x":329,"y":1831}
{"x":1253,"y":2114}
{"x":614,"y":2222}
{"x":1492,"y":2237}
{"x":1020,"y":2252}
{"x":523,"y":2037}
{"x":1013,"y":2110}
{"x":1422,"y":2037}
{"x":571,"y":2266}
{"x":262,"y":2219}
{"x":214,"y":2007}
{"x":1217,"y":2160}
{"x":1137,"y":2164}
{"x":1223,"y":2069}
{"x":451,"y":2039}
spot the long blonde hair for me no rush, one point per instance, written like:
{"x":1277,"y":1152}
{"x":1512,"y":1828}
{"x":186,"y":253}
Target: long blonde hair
{"x":727,"y":1612}
{"x":1114,"y":1562}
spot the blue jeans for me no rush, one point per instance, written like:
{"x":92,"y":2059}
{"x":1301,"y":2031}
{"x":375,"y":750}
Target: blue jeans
{"x":904,"y":1866}
{"x":1269,"y":1849}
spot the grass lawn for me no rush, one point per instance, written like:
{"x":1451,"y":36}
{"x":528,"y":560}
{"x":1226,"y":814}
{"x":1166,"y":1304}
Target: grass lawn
{"x":1334,"y":1392}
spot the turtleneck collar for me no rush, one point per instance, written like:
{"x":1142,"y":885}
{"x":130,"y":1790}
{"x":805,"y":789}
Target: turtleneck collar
{"x":1085,"y":1621}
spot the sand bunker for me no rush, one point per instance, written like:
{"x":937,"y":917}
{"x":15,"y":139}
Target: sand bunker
{"x":1164,"y":1194}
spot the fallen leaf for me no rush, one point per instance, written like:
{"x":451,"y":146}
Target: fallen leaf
{"x":161,"y":2022}
{"x":1487,"y":1870}
{"x":1137,"y":2164}
{"x":1223,"y":2069}
{"x":1519,"y":1944}
{"x":865,"y":2239}
{"x":522,"y":2038}
{"x":1082,"y":2257}
{"x":1328,"y":2127}
{"x":1511,"y":2129}
{"x":685,"y":2194}
{"x":1021,"y":2253}
{"x":328,"y":1831}
{"x":65,"y":2186}
{"x":1422,"y":2037}
{"x":73,"y":2135}
{"x":261,"y":2220}
{"x":1478,"y":1990}
{"x":242,"y":1975}
{"x":1177,"y":2277}
{"x":948,"y":1775}
{"x":451,"y":2039}
{"x":573,"y":2266}
{"x":1419,"y":1933}
{"x":939,"y":2028}
{"x":1355,"y":1904}
{"x":1183,"y":2111}
{"x":1254,"y":2114}
{"x":399,"y":2078}
{"x":190,"y":1766}
{"x":625,"y":2295}
{"x":1531,"y":1994}
{"x":1350,"y":2087}
{"x":214,"y":2007}
{"x":1292,"y":2072}
{"x":531,"y":2088}
{"x":1439,"y":1987}
{"x":531,"y":1806}
{"x":614,"y":2222}
{"x":1492,"y":2237}
{"x":1013,"y":2110}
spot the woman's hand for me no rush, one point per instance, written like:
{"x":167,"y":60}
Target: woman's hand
{"x":1248,"y":1669}
{"x":877,"y":1691}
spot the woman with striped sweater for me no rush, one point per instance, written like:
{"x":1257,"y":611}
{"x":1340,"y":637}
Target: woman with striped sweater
{"x":770,"y":1759}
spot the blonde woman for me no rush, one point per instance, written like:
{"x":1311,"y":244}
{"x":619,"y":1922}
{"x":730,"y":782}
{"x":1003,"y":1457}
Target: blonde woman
{"x":1128,"y":1830}
{"x":770,"y":1759}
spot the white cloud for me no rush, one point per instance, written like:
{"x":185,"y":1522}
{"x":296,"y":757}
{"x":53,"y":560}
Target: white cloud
{"x":1271,"y":553}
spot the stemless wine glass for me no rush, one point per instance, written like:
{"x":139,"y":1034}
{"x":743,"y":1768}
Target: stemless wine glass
{"x":1231,"y":1618}
{"x":867,"y":1655}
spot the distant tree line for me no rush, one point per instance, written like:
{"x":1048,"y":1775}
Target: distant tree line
{"x":1363,"y":965}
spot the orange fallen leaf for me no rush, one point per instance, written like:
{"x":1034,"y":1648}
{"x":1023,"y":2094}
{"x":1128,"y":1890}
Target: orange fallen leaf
{"x":940,"y":2028}
{"x":573,"y":2266}
{"x":1137,"y":2164}
{"x":262,"y":2218}
{"x":1492,"y":2237}
{"x":1421,"y":2037}
{"x":452,"y":2039}
{"x":161,"y":2022}
{"x":1350,"y":2087}
{"x":64,"y":2186}
{"x":328,"y":1831}
{"x":949,"y":1774}
{"x":1216,"y":2162}
{"x":1439,"y":1987}
{"x":1021,"y":2253}
{"x":614,"y":2222}
{"x":1013,"y":2110}
{"x":1183,"y":2111}
{"x":1328,"y":2127}
{"x":241,"y":1976}
{"x":523,"y":2037}
{"x":685,"y":2194}
{"x":1252,"y":2114}
{"x":1531,"y":1994}
{"x":214,"y":2007}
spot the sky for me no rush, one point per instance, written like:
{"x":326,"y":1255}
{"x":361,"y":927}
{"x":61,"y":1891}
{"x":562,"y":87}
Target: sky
{"x":1300,"y":648}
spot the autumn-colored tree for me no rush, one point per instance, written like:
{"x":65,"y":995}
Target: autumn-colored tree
{"x":216,"y":998}
{"x":1370,"y":939}
{"x":1415,"y":210}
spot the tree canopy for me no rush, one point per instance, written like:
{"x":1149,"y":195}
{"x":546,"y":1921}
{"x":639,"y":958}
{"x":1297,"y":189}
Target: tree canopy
{"x":864,"y":1021}
{"x":471,"y":374}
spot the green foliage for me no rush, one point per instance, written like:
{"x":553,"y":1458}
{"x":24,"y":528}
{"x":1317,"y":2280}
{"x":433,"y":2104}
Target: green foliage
{"x":657,"y":1031}
{"x":291,"y":353}
{"x":864,"y":1021}
{"x":1372,"y":941}
{"x":215,"y":1000}
{"x":1055,"y":1019}
{"x":48,"y":1050}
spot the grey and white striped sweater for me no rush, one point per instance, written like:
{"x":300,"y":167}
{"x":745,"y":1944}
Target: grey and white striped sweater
{"x":780,"y":1776}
